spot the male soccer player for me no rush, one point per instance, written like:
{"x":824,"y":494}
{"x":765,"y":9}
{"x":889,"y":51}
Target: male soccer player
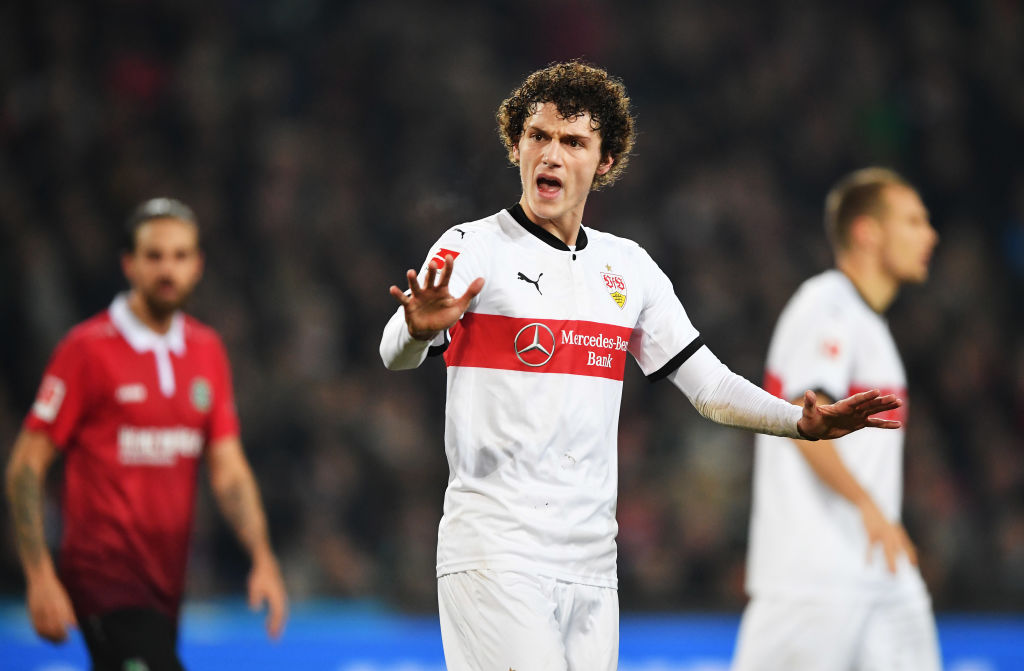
{"x":831,"y":573}
{"x":132,"y":399}
{"x":526,"y":546}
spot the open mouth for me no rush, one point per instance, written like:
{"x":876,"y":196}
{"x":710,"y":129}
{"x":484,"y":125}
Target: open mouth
{"x":548,"y":186}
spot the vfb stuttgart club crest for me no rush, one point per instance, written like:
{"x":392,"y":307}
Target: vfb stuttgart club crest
{"x":616,"y":287}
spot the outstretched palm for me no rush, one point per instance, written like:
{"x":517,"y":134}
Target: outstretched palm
{"x":431,"y":308}
{"x":846,"y":416}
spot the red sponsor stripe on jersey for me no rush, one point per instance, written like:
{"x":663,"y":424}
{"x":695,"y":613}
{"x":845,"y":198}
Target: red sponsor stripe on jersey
{"x":772,"y":383}
{"x":899,"y":413}
{"x":539,"y":345}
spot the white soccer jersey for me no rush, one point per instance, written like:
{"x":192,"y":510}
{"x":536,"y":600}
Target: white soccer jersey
{"x":805,"y":538}
{"x":535,"y":370}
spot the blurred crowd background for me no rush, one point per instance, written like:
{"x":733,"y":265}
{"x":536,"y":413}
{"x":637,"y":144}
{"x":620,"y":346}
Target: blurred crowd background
{"x":325,"y":145}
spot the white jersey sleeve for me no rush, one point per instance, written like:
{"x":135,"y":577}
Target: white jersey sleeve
{"x":398,"y":349}
{"x":666,"y":344}
{"x":664,"y":336}
{"x":727,"y":398}
{"x":811,"y":349}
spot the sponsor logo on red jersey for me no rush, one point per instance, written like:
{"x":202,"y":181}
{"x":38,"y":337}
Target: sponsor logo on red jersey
{"x":535,"y":344}
{"x":147,"y":446}
{"x":130,"y":393}
{"x":572,"y":347}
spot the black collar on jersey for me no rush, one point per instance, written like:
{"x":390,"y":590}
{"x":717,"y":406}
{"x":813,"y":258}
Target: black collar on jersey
{"x":544,"y":235}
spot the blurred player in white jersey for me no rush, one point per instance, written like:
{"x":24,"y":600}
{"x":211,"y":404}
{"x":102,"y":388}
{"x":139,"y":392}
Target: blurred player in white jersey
{"x":831,"y":572}
{"x":526,"y":546}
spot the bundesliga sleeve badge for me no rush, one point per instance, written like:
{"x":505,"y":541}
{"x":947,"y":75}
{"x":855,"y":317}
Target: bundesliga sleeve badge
{"x":441,"y":253}
{"x":48,"y":400}
{"x":616,"y":286}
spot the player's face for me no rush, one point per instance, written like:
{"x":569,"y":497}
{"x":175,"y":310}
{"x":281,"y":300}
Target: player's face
{"x":907,"y":235}
{"x":166,"y":264}
{"x":558,"y":159}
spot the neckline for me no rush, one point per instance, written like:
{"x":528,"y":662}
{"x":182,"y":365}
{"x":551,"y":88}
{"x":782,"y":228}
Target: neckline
{"x":543,"y":234}
{"x":853,"y":287}
{"x":141,"y":337}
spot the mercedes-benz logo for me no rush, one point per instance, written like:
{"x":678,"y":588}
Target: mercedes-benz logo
{"x":535,"y":344}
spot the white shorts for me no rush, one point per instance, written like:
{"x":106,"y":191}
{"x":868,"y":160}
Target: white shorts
{"x":886,"y":634}
{"x":500,"y":620}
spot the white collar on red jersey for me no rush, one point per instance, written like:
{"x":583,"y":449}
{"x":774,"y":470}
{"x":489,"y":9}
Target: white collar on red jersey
{"x":144,"y":339}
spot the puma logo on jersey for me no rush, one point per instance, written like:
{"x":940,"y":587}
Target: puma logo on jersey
{"x":535,"y":283}
{"x":461,"y":232}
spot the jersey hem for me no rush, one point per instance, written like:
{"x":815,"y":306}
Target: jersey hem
{"x":520,"y":566}
{"x":858,"y":592}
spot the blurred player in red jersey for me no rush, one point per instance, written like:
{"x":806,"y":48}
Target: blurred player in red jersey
{"x":831,"y":573}
{"x":132,"y":398}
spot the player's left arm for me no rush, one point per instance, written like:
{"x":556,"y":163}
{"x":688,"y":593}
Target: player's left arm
{"x":727,"y":398}
{"x":238,"y":498}
{"x":670,"y":347}
{"x":824,"y":459}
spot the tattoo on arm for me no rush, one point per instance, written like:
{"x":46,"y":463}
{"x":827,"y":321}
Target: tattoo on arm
{"x":25,"y":493}
{"x":240,"y":503}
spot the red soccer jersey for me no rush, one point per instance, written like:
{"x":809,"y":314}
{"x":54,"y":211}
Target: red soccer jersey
{"x":132,"y":411}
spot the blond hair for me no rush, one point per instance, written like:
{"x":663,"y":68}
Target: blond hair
{"x":857,"y":194}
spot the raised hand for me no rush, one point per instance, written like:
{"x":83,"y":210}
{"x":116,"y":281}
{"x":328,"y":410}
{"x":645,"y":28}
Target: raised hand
{"x":431,"y":308}
{"x":846,"y":416}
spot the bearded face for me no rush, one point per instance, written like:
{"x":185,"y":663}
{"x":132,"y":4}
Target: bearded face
{"x":165,"y":265}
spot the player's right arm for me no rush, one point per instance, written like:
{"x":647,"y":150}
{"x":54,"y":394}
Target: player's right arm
{"x":48,"y":604}
{"x":431,"y":308}
{"x":824,"y":460}
{"x":812,"y":349}
{"x":427,"y":308}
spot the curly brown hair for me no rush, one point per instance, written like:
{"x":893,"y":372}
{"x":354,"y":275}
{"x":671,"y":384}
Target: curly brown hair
{"x":575,"y":88}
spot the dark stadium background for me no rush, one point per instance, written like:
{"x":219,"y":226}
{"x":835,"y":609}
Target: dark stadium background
{"x":325,"y":145}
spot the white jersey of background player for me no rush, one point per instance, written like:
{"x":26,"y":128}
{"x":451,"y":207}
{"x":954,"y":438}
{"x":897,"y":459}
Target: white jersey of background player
{"x":526,"y":554}
{"x":831,"y":572}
